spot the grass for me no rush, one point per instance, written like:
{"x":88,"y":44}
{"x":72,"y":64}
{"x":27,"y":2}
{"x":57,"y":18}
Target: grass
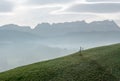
{"x":96,"y":64}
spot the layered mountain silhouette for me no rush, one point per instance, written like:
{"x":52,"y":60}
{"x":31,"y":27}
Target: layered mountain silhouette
{"x":78,"y":26}
{"x":79,"y":30}
{"x":81,"y":26}
{"x":64,"y":28}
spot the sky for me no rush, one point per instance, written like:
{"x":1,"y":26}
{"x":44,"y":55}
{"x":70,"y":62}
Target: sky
{"x":33,"y":12}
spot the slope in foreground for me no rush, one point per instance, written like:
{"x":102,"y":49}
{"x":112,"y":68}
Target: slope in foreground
{"x":97,"y":64}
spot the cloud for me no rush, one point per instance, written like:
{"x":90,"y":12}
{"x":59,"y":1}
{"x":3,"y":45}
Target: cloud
{"x":44,"y":2}
{"x":94,"y":8}
{"x":32,"y":12}
{"x":103,"y":0}
{"x":6,"y":6}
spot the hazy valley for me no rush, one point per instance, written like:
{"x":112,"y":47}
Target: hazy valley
{"x":21,"y":45}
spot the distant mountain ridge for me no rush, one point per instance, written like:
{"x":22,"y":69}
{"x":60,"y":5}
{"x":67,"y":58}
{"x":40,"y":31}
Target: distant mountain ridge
{"x":15,"y":27}
{"x":105,"y":25}
{"x":82,"y":26}
{"x":60,"y":29}
{"x":78,"y":26}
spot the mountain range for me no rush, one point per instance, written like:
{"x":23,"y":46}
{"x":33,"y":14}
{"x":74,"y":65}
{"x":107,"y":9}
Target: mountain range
{"x":74,"y":33}
{"x":79,"y":26}
{"x":46,"y":29}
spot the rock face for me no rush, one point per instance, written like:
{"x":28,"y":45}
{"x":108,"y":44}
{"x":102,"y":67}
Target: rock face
{"x":79,"y":26}
{"x":59,"y":29}
{"x":46,"y":29}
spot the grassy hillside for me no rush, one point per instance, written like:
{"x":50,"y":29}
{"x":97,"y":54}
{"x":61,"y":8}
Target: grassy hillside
{"x":97,"y":64}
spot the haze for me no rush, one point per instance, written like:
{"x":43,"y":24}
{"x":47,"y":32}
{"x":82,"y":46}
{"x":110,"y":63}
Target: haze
{"x":38,"y":30}
{"x":32,"y":12}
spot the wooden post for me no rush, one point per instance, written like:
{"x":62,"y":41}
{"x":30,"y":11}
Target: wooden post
{"x":80,"y":51}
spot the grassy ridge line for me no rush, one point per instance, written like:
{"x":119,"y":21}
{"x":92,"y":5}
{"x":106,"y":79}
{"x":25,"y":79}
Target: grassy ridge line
{"x":97,"y":64}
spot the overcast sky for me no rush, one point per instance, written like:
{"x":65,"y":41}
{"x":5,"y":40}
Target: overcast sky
{"x":32,"y":12}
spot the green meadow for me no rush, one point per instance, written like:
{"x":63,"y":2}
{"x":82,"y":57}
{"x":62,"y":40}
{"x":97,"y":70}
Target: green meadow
{"x":96,"y":64}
